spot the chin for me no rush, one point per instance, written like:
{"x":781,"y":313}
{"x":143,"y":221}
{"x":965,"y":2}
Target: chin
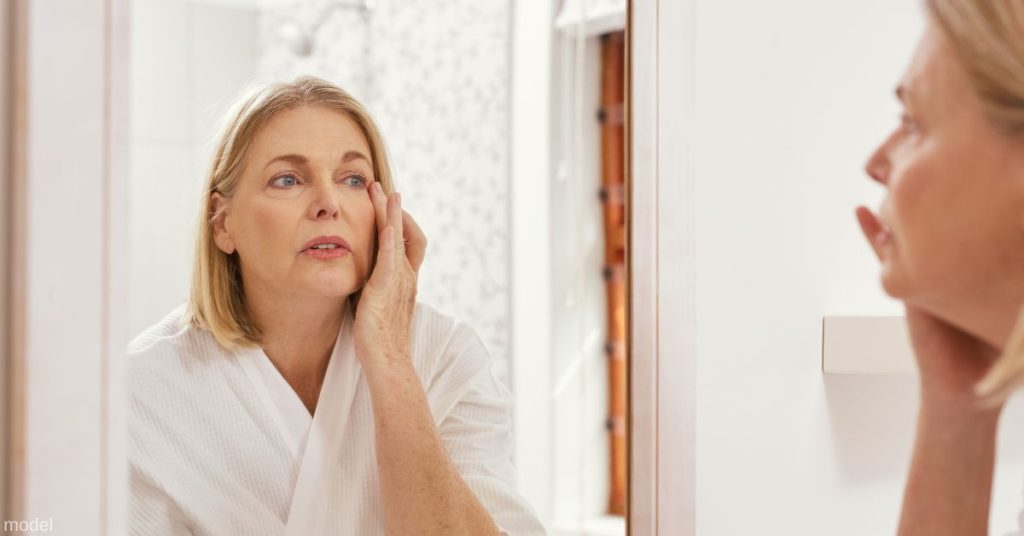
{"x":894,"y":281}
{"x":333,"y":285}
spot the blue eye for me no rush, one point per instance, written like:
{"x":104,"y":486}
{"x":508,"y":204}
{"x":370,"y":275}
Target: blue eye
{"x":284,"y":181}
{"x":355,"y":181}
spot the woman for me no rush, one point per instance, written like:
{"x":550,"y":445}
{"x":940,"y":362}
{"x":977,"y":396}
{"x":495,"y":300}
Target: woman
{"x":950,"y":236}
{"x":302,"y":390}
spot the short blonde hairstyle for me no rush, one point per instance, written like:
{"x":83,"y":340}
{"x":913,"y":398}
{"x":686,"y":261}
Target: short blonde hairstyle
{"x":217,"y":303}
{"x":987,"y":37}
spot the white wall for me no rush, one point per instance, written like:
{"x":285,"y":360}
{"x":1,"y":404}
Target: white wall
{"x":189,"y":59}
{"x":580,"y":453}
{"x":68,"y":318}
{"x":530,"y":247}
{"x":791,"y":98}
{"x":60,"y":482}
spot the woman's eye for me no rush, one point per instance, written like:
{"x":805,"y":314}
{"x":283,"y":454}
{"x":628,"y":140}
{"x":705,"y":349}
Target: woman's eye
{"x":355,"y":181}
{"x":285,"y":181}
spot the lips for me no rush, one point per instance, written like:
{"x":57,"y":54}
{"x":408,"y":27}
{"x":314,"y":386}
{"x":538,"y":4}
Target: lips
{"x":885,"y":232}
{"x":884,"y":236}
{"x":332,"y":243}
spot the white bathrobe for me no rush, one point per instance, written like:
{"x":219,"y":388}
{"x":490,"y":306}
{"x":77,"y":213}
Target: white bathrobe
{"x":221,"y":445}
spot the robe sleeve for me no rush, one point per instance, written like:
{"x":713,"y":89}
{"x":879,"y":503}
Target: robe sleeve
{"x":477,"y":432}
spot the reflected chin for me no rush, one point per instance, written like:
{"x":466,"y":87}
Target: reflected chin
{"x":894,"y":281}
{"x":335,"y":283}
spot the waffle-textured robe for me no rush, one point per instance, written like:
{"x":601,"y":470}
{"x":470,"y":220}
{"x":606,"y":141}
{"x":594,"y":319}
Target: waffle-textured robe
{"x":221,"y":445}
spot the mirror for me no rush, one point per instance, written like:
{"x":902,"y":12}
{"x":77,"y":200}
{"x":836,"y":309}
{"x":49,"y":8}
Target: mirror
{"x":505,"y":130}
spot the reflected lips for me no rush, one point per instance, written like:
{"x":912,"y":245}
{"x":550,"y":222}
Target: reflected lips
{"x":885,"y":235}
{"x":326,"y":247}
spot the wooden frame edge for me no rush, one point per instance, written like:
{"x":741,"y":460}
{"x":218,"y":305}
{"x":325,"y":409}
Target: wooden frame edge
{"x":17,"y":103}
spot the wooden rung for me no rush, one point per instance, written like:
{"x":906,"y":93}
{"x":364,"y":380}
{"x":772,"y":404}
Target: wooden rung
{"x":612,"y":115}
{"x":612,"y":120}
{"x":616,"y":425}
{"x":615,"y":350}
{"x":614,"y":272}
{"x":614,"y":194}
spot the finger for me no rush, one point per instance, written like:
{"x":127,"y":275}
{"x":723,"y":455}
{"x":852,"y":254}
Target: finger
{"x":415,"y":241}
{"x":871,"y":227}
{"x":385,"y":255}
{"x":380,"y":203}
{"x":395,"y":220}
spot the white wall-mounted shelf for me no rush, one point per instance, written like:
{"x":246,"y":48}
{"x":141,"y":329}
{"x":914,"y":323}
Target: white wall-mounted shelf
{"x":869,"y":345}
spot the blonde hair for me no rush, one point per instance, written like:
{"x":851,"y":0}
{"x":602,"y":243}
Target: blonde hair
{"x":217,"y":302}
{"x":987,"y":37}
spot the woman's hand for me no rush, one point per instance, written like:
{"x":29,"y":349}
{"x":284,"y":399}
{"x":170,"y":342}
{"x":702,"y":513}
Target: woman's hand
{"x":386,"y":303}
{"x":950,"y":361}
{"x":421,"y":490}
{"x":949,"y":484}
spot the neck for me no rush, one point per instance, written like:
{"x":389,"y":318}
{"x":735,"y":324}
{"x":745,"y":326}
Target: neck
{"x":991,"y":319}
{"x":298,"y":335}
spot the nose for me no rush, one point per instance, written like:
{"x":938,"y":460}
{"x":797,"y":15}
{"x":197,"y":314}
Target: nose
{"x":878,"y":165}
{"x":324,"y":205}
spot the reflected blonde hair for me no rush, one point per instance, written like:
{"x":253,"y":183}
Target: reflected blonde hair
{"x":987,"y":37}
{"x":217,"y":302}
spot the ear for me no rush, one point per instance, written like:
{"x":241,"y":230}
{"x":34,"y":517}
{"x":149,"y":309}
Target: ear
{"x":219,"y":224}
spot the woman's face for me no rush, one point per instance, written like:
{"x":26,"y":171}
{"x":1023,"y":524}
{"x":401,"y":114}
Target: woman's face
{"x":954,"y":208}
{"x":305,"y":177}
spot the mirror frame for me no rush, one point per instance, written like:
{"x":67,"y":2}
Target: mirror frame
{"x":660,"y":89}
{"x":7,"y":48}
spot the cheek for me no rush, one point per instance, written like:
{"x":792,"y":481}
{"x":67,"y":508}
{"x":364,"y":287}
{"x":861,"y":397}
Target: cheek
{"x":271,"y":223}
{"x":909,"y":192}
{"x":268,"y":233}
{"x":938,"y":208}
{"x":920,"y":190}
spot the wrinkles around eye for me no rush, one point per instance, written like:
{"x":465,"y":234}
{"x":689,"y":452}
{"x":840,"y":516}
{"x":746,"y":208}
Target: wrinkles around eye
{"x":290,"y":180}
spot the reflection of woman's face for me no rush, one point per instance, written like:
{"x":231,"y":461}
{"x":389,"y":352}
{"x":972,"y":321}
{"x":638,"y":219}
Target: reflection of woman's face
{"x":306,"y":176}
{"x":955,"y":190}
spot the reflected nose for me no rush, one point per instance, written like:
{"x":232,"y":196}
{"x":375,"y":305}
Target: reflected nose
{"x":324,"y":204}
{"x":878,"y":166}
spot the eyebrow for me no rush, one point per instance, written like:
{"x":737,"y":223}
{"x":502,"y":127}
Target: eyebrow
{"x":298,"y":159}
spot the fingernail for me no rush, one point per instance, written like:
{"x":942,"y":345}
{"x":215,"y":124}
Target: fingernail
{"x":377,"y":187}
